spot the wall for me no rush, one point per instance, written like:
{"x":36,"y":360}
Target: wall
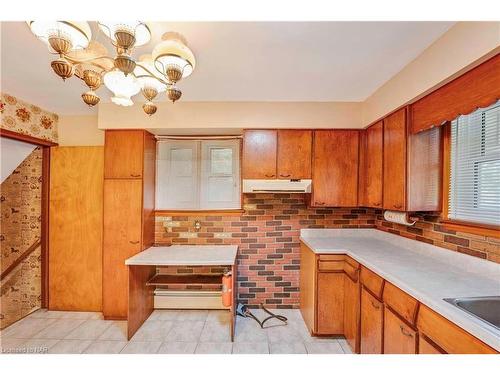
{"x":464,"y":44}
{"x":80,"y":131}
{"x":268,"y":237}
{"x":20,"y":206}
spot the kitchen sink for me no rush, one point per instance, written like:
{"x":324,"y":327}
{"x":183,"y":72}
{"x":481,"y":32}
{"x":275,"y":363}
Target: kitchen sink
{"x":484,"y":308}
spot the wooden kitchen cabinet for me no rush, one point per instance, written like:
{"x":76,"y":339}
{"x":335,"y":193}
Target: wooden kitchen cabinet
{"x":330,"y":303}
{"x":335,"y":168}
{"x":372,"y":320}
{"x":294,"y":154}
{"x":259,"y":154}
{"x":352,"y":307}
{"x":371,"y":166}
{"x":122,"y":239}
{"x":399,"y":337}
{"x":123,"y":153}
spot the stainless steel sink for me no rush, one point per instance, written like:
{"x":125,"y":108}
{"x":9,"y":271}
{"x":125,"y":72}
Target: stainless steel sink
{"x":484,"y":308}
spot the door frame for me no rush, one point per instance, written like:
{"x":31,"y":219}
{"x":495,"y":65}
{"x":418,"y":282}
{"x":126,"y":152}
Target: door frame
{"x":44,"y":226}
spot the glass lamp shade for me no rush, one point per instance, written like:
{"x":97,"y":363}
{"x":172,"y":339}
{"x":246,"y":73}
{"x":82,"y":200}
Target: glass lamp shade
{"x":144,"y":77}
{"x":173,"y":52}
{"x":139,"y":29}
{"x":123,"y":87}
{"x":77,"y":33}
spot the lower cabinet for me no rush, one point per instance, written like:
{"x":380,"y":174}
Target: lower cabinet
{"x":330,"y":303}
{"x":351,"y":311}
{"x":426,"y":346}
{"x":372,"y":319}
{"x":399,"y":337}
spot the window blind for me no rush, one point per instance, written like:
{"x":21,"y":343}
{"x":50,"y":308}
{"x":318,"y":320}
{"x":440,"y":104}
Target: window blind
{"x":474,"y":191}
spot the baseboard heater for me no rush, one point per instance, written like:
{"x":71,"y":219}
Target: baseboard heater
{"x":187,"y":299}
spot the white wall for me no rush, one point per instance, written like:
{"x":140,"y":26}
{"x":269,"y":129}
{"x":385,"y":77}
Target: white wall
{"x":12,"y":154}
{"x":80,"y":131}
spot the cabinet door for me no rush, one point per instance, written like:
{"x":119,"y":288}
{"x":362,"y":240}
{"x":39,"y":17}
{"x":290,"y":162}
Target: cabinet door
{"x":399,"y":338}
{"x":426,"y":346}
{"x":395,"y":161}
{"x":335,"y":168}
{"x":351,"y":313}
{"x":372,"y":320}
{"x":294,"y":154}
{"x":374,"y":161}
{"x":123,"y":153}
{"x":330,"y":303}
{"x":259,"y":154}
{"x":122,"y":239}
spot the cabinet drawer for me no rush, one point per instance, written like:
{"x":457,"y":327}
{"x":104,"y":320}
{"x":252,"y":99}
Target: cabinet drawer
{"x":352,"y":262}
{"x":331,"y":257}
{"x":402,"y":303}
{"x":447,"y":335}
{"x":373,"y":282}
{"x":351,"y":271}
{"x":333,"y":265}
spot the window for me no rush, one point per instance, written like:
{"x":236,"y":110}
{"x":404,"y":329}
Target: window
{"x":474,"y":190}
{"x":198,"y":175}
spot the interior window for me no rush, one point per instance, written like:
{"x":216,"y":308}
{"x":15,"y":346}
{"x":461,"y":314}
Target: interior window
{"x":475,"y":167}
{"x":198,"y":175}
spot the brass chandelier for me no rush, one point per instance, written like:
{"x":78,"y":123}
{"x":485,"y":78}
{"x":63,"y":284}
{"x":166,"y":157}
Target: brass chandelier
{"x":80,"y":56}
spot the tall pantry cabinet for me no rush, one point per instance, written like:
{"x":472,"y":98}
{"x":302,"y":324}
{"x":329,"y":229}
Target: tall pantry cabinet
{"x":129,"y":196}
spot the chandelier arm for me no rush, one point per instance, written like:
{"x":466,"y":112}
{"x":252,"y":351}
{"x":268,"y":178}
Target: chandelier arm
{"x":152,"y":75}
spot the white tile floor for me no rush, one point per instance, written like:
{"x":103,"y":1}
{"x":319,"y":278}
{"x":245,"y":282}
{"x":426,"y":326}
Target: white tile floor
{"x":165,"y":332}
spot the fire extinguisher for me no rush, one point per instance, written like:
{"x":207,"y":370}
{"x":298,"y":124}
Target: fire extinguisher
{"x":227,"y":289}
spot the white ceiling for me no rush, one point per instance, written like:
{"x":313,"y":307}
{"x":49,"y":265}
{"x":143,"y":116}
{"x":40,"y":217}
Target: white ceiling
{"x":242,"y":61}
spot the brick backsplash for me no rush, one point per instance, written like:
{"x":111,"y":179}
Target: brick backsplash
{"x":267,"y":233}
{"x":429,"y":228}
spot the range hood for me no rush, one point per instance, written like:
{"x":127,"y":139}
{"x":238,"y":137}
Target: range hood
{"x":277,"y":186}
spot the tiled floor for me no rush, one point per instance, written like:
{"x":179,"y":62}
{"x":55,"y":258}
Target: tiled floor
{"x":166,"y":331}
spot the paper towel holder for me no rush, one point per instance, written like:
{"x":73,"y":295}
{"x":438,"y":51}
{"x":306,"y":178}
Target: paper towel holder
{"x":398,"y":217}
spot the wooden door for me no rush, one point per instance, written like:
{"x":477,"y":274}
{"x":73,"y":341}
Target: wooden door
{"x":374,"y":161}
{"x":426,"y":346}
{"x":294,"y":154}
{"x":75,"y":231}
{"x":372,"y":320}
{"x":259,"y":154}
{"x":351,"y":312}
{"x":122,"y":239}
{"x":330,"y":303}
{"x":395,"y":161}
{"x":335,"y":168}
{"x":123,"y":153}
{"x":399,"y":337}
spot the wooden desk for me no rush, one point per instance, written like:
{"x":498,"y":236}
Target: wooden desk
{"x":142,"y":268}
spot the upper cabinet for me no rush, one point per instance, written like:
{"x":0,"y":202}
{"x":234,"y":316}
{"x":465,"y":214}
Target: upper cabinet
{"x":123,"y":154}
{"x":371,"y":166}
{"x":282,"y":154}
{"x":335,"y":168}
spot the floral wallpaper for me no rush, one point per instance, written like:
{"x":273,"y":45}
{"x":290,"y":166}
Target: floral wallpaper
{"x":20,"y":208}
{"x":21,"y":117}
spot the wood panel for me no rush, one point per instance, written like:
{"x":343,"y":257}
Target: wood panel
{"x":477,"y":88}
{"x":374,"y":162}
{"x":352,"y":313}
{"x":373,"y":282}
{"x":75,"y":232}
{"x":449,"y":336}
{"x":372,"y":318}
{"x":405,"y":305}
{"x":122,"y":239}
{"x":123,"y":153}
{"x":294,"y":154}
{"x":330,"y":303}
{"x":399,"y":338}
{"x":149,"y":187}
{"x":259,"y":154}
{"x":395,"y":161}
{"x":335,"y":166}
{"x":426,"y":346}
{"x":363,"y":155}
{"x":140,"y":297}
{"x":307,"y":285}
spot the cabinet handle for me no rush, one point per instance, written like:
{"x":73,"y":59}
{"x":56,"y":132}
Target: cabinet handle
{"x":375,"y":305}
{"x":403,"y":331}
{"x":285,"y":175}
{"x":377,"y":204}
{"x":398,"y":206}
{"x":134,"y":242}
{"x":135,"y":175}
{"x":269,"y":175}
{"x":320,"y":203}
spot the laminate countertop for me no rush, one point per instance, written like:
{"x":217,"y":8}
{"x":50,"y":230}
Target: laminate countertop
{"x":426,"y":272}
{"x":185,"y":255}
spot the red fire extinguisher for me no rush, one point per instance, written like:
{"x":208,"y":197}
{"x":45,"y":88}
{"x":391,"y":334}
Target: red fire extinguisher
{"x":227,"y":289}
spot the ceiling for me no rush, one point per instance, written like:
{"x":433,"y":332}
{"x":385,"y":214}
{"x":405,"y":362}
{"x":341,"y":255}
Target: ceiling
{"x":241,"y":61}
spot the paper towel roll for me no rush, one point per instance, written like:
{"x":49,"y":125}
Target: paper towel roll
{"x":397,"y":217}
